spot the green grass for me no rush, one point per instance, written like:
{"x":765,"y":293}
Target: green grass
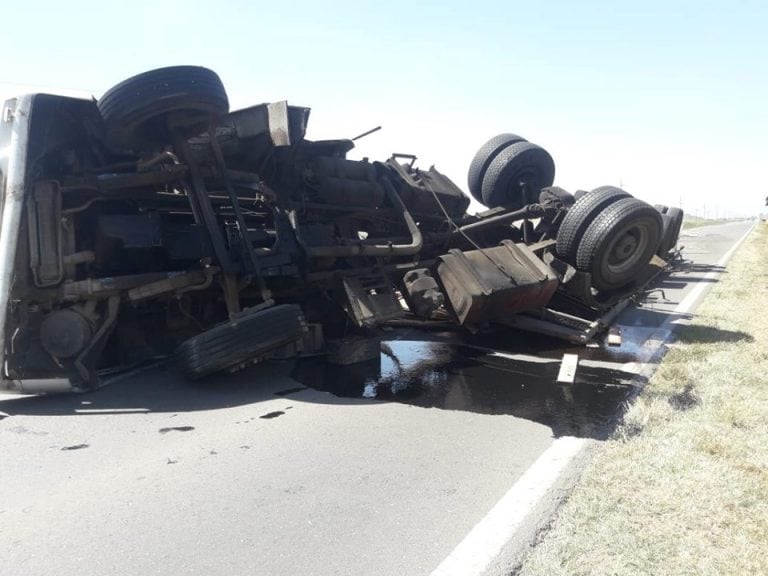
{"x":682,"y":486}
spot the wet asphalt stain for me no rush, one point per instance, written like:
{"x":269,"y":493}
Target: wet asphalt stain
{"x":76,"y":447}
{"x":25,"y":430}
{"x":176,"y":429}
{"x":270,"y":415}
{"x":455,"y":377}
{"x":290,"y":391}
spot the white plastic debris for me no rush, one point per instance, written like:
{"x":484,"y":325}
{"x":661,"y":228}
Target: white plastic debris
{"x":568,"y":367}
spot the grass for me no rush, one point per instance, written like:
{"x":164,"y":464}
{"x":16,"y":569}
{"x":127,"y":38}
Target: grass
{"x":697,"y":222}
{"x":682,"y":486}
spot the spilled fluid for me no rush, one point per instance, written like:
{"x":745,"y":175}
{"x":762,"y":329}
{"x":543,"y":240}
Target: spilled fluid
{"x":457,"y":377}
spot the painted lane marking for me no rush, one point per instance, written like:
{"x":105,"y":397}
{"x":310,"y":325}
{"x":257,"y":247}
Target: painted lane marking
{"x":478,"y":549}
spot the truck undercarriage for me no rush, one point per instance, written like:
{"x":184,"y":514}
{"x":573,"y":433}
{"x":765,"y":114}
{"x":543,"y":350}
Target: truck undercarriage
{"x":154,"y":222}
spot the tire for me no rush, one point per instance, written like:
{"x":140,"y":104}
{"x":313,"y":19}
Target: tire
{"x":136,"y":111}
{"x":246,"y":337}
{"x":619,"y":243}
{"x":576,"y":221}
{"x":522,"y":162}
{"x":661,"y":208}
{"x":484,"y":157}
{"x":667,"y":232}
{"x":677,"y":215}
{"x":556,"y":194}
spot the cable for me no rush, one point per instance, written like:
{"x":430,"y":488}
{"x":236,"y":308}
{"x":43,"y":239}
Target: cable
{"x":458,"y":229}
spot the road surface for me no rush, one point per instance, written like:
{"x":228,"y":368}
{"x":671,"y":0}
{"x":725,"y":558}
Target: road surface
{"x":300,"y":468}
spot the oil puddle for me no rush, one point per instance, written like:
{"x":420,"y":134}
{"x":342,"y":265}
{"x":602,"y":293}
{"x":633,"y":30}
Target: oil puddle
{"x":176,"y":429}
{"x":270,"y":415}
{"x":456,"y":377}
{"x":290,"y":391}
{"x":549,"y":348}
{"x":75,"y":447}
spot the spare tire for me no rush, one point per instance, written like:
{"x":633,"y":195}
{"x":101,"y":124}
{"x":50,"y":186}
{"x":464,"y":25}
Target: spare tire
{"x":619,"y":243}
{"x":484,"y":157}
{"x":578,"y":218}
{"x":136,"y":111}
{"x":246,"y":337}
{"x":516,"y":175}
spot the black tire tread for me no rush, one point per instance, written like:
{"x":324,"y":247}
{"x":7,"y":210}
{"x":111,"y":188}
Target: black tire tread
{"x":507,"y":164}
{"x":667,"y":232}
{"x":484,"y":157}
{"x":237,"y":341}
{"x":581,"y":215}
{"x":677,"y":215}
{"x":135,"y":102}
{"x":600,"y":230}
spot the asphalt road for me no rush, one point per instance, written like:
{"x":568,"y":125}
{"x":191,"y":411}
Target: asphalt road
{"x":298,"y":468}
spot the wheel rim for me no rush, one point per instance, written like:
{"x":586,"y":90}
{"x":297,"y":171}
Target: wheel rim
{"x":626,"y":249}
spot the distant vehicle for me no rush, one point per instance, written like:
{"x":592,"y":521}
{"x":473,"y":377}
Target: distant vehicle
{"x":155,"y":222}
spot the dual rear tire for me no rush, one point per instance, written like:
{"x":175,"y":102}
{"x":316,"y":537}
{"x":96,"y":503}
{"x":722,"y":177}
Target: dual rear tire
{"x":610,"y":235}
{"x":672,"y":224}
{"x":509,"y":171}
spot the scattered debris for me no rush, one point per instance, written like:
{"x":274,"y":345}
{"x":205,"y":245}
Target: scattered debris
{"x":568,"y":367}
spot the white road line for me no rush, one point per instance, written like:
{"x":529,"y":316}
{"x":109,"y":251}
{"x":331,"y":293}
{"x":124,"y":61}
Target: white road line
{"x":486,"y":540}
{"x":478,"y":549}
{"x":653,"y":345}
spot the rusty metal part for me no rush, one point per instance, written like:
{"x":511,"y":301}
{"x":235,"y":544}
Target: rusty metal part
{"x":424,"y":296}
{"x":530,"y":211}
{"x":84,"y":362}
{"x":370,"y":299}
{"x":489,"y":284}
{"x":185,"y":281}
{"x":387,"y":249}
{"x":105,"y":287}
{"x":65,"y":333}
{"x":45,"y":234}
{"x":366,"y":133}
{"x":250,"y":258}
{"x":202,"y":207}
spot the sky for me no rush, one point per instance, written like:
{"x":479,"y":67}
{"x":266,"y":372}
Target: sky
{"x":667,"y":99}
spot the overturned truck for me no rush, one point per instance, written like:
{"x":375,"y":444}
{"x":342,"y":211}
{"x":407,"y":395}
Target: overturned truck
{"x":154,"y":222}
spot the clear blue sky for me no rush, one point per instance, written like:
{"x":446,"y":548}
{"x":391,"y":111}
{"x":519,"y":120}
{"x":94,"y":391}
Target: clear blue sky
{"x":667,"y":98}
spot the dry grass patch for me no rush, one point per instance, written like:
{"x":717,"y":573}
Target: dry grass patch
{"x":697,"y":222}
{"x":682,"y":487}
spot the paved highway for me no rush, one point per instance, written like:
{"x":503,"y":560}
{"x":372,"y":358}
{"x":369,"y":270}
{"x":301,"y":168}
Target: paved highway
{"x":300,"y":468}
